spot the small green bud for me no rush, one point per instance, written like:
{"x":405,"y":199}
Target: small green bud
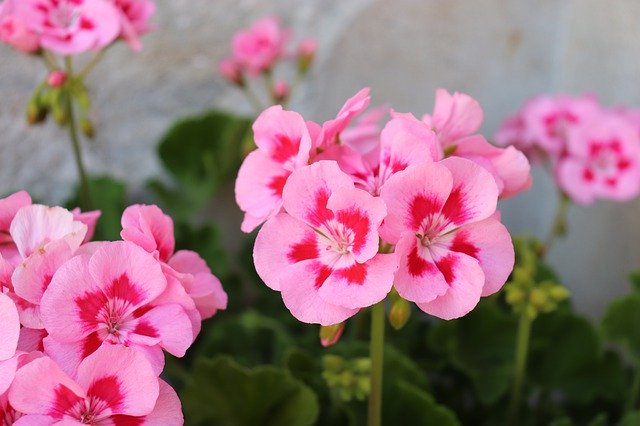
{"x":330,"y":334}
{"x":399,"y":313}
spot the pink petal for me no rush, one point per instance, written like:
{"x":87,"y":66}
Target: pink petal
{"x":10,"y":205}
{"x":259,"y":189}
{"x":170,"y":324}
{"x":418,"y":278}
{"x":31,"y":339}
{"x":361,"y":285}
{"x":351,"y":109}
{"x":299,"y":285}
{"x":489,"y":242}
{"x":281,"y":242}
{"x":175,"y":293}
{"x":455,"y":116}
{"x":9,"y":327}
{"x":122,"y":378}
{"x":167,"y":412}
{"x":88,"y":218}
{"x":150,"y":228}
{"x":36,"y":225}
{"x":40,"y":387}
{"x":32,"y":277}
{"x":571,"y":177}
{"x":308,"y":189}
{"x":465,"y":279}
{"x":474,"y":195}
{"x":414,"y":197}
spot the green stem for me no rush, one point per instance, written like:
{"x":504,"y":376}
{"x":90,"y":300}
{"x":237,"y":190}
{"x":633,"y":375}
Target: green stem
{"x":522,"y":349}
{"x":91,"y":64}
{"x":85,"y":193}
{"x":253,"y":99}
{"x":559,"y":226}
{"x":376,"y":353}
{"x":635,"y":390}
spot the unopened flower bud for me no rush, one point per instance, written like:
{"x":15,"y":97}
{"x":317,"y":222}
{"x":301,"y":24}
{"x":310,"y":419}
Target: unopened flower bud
{"x":306,"y":54}
{"x":86,"y":126}
{"x":231,"y":70}
{"x":36,"y":113}
{"x":56,"y":78}
{"x":399,"y":313}
{"x":281,"y":91}
{"x":330,"y":334}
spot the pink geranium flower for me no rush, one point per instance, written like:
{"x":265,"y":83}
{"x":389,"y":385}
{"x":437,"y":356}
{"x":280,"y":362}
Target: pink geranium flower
{"x":283,"y":142}
{"x":322,"y":253}
{"x":108,"y":298}
{"x":259,"y":47}
{"x":69,"y":27}
{"x":134,"y":20}
{"x":451,"y":251}
{"x":454,"y":116}
{"x":602,"y":160}
{"x":114,"y":385}
{"x":15,"y":31}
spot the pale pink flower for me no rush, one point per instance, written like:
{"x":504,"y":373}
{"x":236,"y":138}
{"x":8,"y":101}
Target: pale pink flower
{"x":322,"y":253}
{"x":451,"y":250}
{"x":15,"y":31}
{"x":108,"y":298}
{"x":454,"y":116}
{"x":70,"y":27}
{"x":134,"y":20}
{"x":284,"y":143}
{"x":257,"y":48}
{"x":113,"y":385}
{"x":602,"y":160}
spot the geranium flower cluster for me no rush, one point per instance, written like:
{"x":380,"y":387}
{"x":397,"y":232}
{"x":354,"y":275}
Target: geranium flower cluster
{"x":593,"y":151}
{"x":84,"y":325}
{"x":350,"y":211}
{"x":256,"y":51}
{"x":71,"y":27}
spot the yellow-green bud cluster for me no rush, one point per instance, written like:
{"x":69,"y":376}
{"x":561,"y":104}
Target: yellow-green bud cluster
{"x":347,"y":379}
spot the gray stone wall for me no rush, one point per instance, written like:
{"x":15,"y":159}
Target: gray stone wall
{"x":499,"y":51}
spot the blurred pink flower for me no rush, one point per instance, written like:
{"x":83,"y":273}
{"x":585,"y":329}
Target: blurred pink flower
{"x":16,"y":31}
{"x":257,"y":48}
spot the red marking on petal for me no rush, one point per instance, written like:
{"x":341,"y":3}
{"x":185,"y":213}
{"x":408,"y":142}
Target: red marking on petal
{"x":615,"y":145}
{"x":121,"y":420}
{"x":611,"y":181}
{"x":461,"y":244}
{"x":46,"y":281}
{"x":64,"y":401}
{"x":355,"y":274}
{"x":623,"y":164}
{"x":141,"y":311}
{"x":122,"y":288}
{"x":319,"y":213}
{"x":447,"y":265}
{"x":416,"y":265}
{"x":398,"y":166}
{"x":144,"y":328}
{"x":422,"y":207}
{"x":86,"y":24}
{"x":89,"y":308}
{"x":357,"y":221}
{"x":285,"y":148}
{"x":588,"y":175}
{"x":277,"y":184}
{"x":90,"y":344}
{"x":108,"y":390}
{"x":454,"y":208}
{"x":322,"y":273}
{"x":304,"y":250}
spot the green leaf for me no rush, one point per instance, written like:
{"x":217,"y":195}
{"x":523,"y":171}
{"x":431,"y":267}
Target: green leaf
{"x":620,"y":323}
{"x":634,"y":278}
{"x":203,"y":152}
{"x":410,"y":405}
{"x":222,"y":392}
{"x":481,"y":345}
{"x":631,"y":419}
{"x":109,"y":196}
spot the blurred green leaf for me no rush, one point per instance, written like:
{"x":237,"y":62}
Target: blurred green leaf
{"x":222,"y":392}
{"x":411,"y":405}
{"x":620,"y":323}
{"x":631,"y":419}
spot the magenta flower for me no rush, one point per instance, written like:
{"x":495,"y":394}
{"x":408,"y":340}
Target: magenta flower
{"x":283,"y":142}
{"x":134,"y":20}
{"x":451,"y":250}
{"x":114,"y":385}
{"x":70,"y":27}
{"x":322,"y":252}
{"x":108,"y":298}
{"x":602,"y":160}
{"x":259,"y":47}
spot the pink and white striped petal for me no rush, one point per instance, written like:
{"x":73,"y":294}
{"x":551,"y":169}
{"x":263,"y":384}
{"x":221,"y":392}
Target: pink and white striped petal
{"x":361,"y":285}
{"x":299,"y":286}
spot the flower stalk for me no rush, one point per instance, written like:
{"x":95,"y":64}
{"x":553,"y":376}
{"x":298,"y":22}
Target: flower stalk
{"x":376,"y":352}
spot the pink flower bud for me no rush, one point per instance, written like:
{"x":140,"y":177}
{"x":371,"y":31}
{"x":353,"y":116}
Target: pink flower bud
{"x":306,"y":54}
{"x":56,"y":78}
{"x":281,"y":90}
{"x":330,"y":334}
{"x":231,"y":70}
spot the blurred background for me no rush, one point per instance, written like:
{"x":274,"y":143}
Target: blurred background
{"x":501,"y":52}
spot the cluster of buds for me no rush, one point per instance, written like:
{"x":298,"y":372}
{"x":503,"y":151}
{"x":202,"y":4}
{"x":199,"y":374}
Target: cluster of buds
{"x":347,"y":379}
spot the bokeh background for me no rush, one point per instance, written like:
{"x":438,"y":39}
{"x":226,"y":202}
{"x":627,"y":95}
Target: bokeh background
{"x":499,"y":51}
